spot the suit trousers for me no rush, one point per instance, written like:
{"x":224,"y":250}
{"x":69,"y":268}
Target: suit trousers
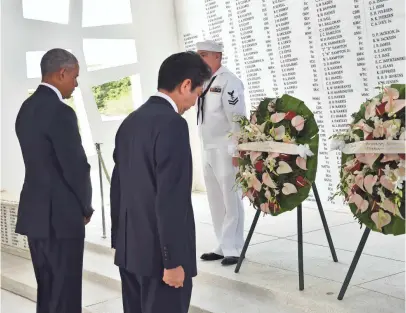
{"x":226,"y":206}
{"x":142,"y":294}
{"x":58,"y":266}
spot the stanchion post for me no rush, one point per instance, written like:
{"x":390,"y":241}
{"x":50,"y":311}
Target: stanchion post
{"x":300,"y":246}
{"x":101,"y":189}
{"x":324,"y":221}
{"x":247,"y":241}
{"x":354,"y":263}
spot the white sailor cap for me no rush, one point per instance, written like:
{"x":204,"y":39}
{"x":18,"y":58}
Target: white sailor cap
{"x":209,"y":45}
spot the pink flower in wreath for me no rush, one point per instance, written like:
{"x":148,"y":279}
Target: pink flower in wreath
{"x":268,"y":194}
{"x":361,"y":204}
{"x":367,"y":158}
{"x":249,"y":195}
{"x":267,"y":180}
{"x":359,"y":181}
{"x":253,"y":119}
{"x":387,"y":183}
{"x":369,"y":183}
{"x":389,"y":206}
{"x":265,"y":207}
{"x":254,"y":156}
{"x":277,"y":117}
{"x":255,"y":183}
{"x":298,"y":122}
{"x":301,"y":163}
{"x":361,"y":124}
{"x":273,"y":155}
{"x":279,"y":132}
{"x":393,"y":105}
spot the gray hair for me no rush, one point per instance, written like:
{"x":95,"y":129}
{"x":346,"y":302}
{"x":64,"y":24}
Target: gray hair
{"x":56,"y":59}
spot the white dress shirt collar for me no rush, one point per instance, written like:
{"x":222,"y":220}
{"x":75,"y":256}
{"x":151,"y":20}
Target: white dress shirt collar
{"x":169,"y":99}
{"x":58,"y":93}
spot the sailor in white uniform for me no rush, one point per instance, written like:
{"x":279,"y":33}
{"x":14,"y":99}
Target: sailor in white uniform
{"x":221,"y":101}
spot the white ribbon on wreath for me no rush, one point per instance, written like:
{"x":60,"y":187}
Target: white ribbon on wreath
{"x":370,"y":146}
{"x":277,"y":147}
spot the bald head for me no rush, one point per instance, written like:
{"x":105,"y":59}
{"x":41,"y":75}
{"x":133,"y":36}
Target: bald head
{"x":55,"y":60}
{"x":60,"y":68}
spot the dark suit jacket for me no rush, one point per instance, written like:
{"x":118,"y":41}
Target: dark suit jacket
{"x":57,"y":191}
{"x":152,"y":217}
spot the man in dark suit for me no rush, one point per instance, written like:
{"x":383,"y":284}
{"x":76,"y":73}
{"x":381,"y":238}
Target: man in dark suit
{"x":153,"y":228}
{"x":55,"y":201}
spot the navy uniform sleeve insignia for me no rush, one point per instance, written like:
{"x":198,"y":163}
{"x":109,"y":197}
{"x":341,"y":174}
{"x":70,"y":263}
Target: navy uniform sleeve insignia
{"x":233,"y":100}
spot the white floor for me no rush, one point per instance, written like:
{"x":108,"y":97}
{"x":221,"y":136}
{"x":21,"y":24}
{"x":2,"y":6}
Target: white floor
{"x":12,"y":303}
{"x":268,"y":280}
{"x":379,"y":276}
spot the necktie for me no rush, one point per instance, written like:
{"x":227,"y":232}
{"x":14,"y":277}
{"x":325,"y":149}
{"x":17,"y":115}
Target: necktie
{"x":200,"y":103}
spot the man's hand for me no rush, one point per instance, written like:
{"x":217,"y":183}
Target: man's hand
{"x":174,"y":277}
{"x":87,"y":219}
{"x":235,"y":161}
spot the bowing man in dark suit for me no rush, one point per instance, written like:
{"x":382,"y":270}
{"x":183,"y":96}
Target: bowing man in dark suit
{"x":153,"y":228}
{"x":55,"y":201}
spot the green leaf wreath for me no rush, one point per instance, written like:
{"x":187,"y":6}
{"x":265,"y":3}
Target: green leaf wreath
{"x":371,"y":183}
{"x":278,"y":182}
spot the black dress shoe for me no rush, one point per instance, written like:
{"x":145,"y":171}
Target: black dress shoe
{"x":211,"y":256}
{"x":230,"y":260}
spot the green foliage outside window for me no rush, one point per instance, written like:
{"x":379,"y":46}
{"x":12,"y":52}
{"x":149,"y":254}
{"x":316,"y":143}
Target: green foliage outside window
{"x":114,"y":98}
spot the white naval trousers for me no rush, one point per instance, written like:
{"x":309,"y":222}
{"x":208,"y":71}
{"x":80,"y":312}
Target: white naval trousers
{"x":226,"y":206}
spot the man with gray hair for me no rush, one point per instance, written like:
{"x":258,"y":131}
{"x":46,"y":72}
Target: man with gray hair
{"x":55,"y":201}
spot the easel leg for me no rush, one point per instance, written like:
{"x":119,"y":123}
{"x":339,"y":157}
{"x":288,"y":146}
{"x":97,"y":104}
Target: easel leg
{"x":300,"y":246}
{"x":324,"y":221}
{"x":101,"y":189}
{"x":247,"y":241}
{"x":354,"y":263}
